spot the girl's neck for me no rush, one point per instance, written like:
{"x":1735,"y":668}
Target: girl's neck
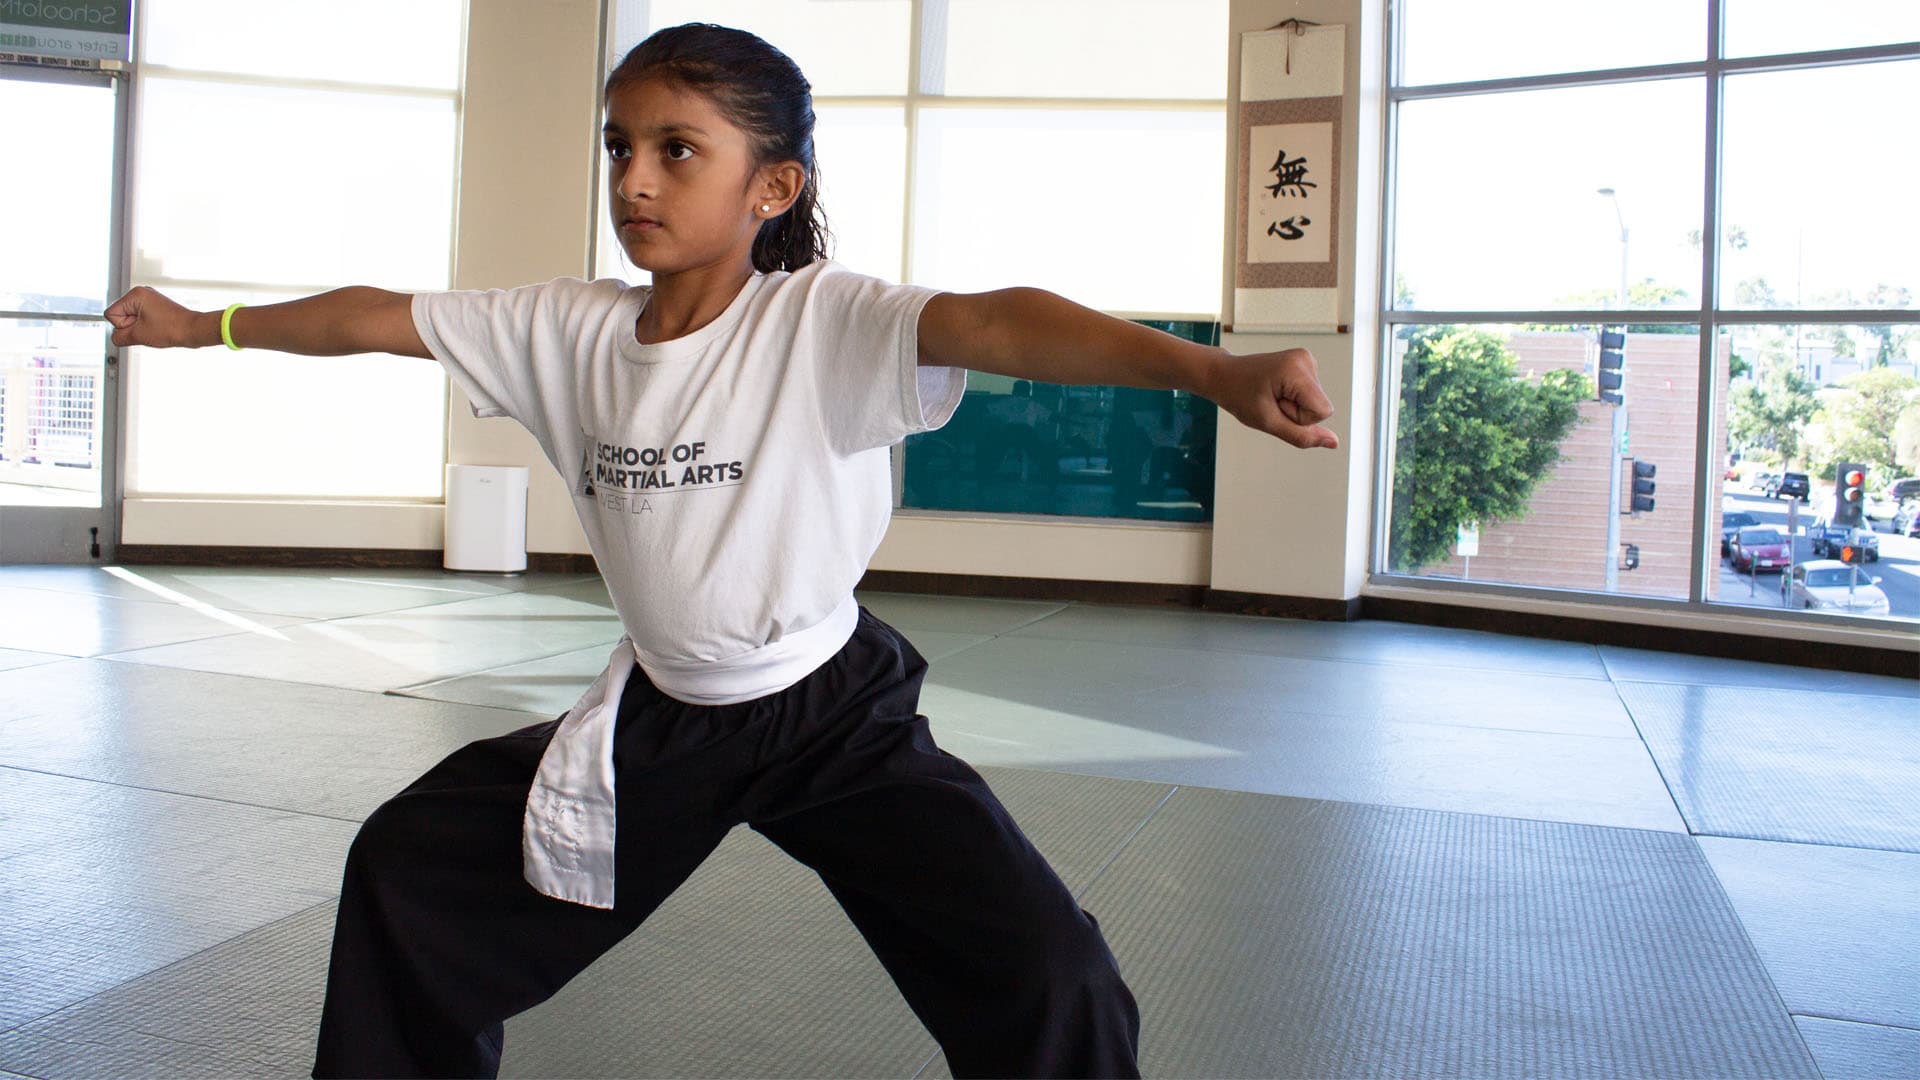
{"x":685,"y":301}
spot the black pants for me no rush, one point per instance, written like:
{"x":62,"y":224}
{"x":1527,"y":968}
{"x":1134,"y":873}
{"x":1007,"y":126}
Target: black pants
{"x":440,"y":938}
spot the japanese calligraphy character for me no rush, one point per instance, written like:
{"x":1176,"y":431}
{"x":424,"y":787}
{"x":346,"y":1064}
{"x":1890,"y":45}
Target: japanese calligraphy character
{"x":1287,"y":230}
{"x":1290,"y":177}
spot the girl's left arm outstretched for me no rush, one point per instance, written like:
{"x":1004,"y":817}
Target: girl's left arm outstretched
{"x":1034,"y":334}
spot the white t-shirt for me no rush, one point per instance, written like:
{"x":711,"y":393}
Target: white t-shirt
{"x":732,"y":483}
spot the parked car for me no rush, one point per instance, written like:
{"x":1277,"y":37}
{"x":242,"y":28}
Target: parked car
{"x":1732,"y":522}
{"x":1791,"y":483}
{"x":1881,"y":506}
{"x":1824,"y":584}
{"x":1763,"y":548}
{"x":1828,"y":538}
{"x":1907,"y":521}
{"x":1907,"y":487}
{"x":1765,"y":482}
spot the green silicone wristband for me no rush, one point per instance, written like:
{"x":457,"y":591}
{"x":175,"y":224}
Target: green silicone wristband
{"x":226,"y":325}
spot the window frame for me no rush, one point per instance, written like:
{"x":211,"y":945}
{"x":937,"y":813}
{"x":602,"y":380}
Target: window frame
{"x":1708,"y":315}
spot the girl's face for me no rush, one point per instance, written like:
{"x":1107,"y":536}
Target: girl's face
{"x":684,"y":192}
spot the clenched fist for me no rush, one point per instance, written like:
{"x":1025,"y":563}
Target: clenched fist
{"x":144,"y":317}
{"x":1278,"y":393}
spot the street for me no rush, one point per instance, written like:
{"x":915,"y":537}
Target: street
{"x":1898,"y":568}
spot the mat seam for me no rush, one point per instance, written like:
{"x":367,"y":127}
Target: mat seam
{"x":1856,"y":1023}
{"x":1124,"y":844}
{"x":1034,"y":620}
{"x":163,"y":967}
{"x":116,"y":658}
{"x":184,"y":794}
{"x":1600,"y":677}
{"x":1693,"y":840}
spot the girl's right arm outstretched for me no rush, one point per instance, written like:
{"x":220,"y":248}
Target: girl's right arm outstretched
{"x":357,"y":319}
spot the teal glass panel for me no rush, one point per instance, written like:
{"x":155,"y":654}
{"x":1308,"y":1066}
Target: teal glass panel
{"x":1020,"y":447}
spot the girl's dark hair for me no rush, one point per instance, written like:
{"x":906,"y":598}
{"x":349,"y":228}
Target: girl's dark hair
{"x":760,"y":91}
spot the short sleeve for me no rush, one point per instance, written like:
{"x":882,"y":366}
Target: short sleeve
{"x":866,"y":341}
{"x":484,"y":339}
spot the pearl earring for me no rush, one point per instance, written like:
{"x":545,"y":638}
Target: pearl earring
{"x":764,"y":208}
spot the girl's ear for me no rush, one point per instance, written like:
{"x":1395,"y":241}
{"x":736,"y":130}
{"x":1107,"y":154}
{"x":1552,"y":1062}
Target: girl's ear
{"x":780,"y":184}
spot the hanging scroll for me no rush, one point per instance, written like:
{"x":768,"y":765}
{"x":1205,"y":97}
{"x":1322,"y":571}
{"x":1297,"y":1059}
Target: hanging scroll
{"x":1286,"y":270}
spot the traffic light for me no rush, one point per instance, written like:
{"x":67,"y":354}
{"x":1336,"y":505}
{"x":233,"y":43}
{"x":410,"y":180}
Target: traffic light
{"x":1643,"y":486}
{"x":1850,"y":494}
{"x":1852,"y":555}
{"x":1630,"y":556}
{"x":1612,"y":378}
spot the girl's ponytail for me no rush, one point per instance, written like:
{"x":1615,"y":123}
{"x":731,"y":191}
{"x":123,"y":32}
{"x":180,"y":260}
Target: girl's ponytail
{"x":762,"y":92}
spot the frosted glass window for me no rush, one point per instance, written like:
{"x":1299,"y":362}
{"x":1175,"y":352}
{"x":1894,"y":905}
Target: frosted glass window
{"x":1764,"y":27}
{"x":215,"y":421}
{"x":396,"y":42}
{"x":1499,"y":204}
{"x":1086,"y":48}
{"x":1467,"y":40}
{"x":324,"y":189}
{"x":1821,"y":218}
{"x":863,"y":174}
{"x":1116,"y":210}
{"x":842,"y":46}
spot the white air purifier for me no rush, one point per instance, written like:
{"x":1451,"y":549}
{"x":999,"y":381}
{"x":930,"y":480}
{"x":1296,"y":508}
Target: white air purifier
{"x":487,"y":518}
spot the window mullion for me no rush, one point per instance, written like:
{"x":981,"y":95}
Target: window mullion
{"x":1707,"y":465}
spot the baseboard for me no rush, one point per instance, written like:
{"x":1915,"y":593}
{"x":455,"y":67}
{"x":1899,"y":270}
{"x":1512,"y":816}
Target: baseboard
{"x":1720,"y":643}
{"x":1019,"y":588}
{"x":358,"y":558}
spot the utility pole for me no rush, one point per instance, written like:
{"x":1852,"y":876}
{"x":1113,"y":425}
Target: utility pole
{"x":1618,"y":436}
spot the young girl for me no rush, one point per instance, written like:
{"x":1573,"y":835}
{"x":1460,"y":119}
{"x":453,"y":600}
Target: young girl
{"x":725,"y":433}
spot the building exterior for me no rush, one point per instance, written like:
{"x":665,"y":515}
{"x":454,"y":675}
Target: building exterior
{"x":1562,"y":542}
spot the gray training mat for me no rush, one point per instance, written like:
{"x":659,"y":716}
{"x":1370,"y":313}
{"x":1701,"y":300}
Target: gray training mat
{"x":246,"y":1008}
{"x":1772,"y":764}
{"x":290,"y":746}
{"x":1265,"y":936}
{"x":101,"y":883}
{"x":752,"y":969}
{"x":1270,"y":937}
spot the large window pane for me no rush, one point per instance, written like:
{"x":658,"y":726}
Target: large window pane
{"x":1467,"y":40}
{"x":324,"y":189}
{"x":1807,"y":404}
{"x":1086,"y":48}
{"x":981,"y":224}
{"x":1761,"y":27}
{"x":1503,"y":459}
{"x":863,"y":174}
{"x":215,"y":421}
{"x":410,"y":43}
{"x":1019,"y":447}
{"x":1499,"y":204}
{"x":842,"y":46}
{"x":1819,"y":191}
{"x":56,"y":192}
